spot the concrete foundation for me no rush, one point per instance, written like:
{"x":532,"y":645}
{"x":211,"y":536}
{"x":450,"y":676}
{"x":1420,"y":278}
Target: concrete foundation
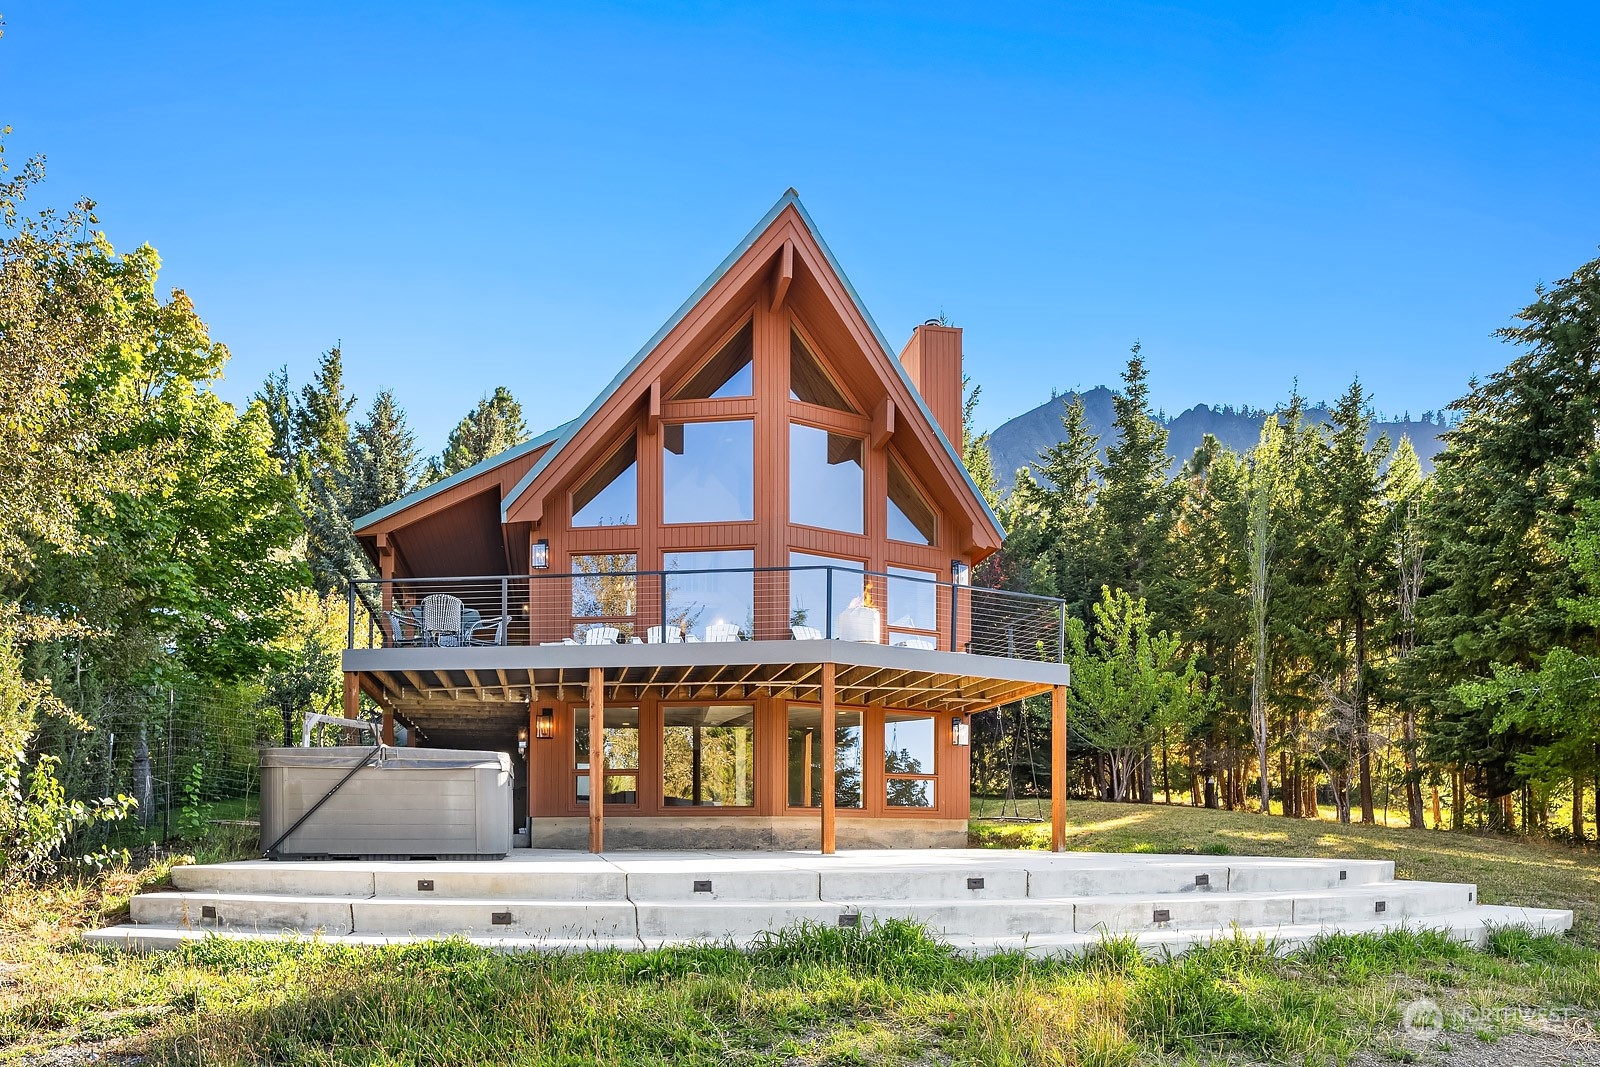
{"x":755,"y":833}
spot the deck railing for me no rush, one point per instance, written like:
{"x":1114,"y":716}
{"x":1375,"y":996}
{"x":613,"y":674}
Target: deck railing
{"x":903,"y":608}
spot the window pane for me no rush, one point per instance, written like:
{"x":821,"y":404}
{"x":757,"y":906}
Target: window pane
{"x":808,"y":590}
{"x":725,"y":374}
{"x":913,"y":599}
{"x":826,"y":481}
{"x":707,"y":754}
{"x":610,"y":497}
{"x":907,"y":743}
{"x":910,"y":517}
{"x":697,"y":602}
{"x":620,"y":789}
{"x":909,"y":792}
{"x":622,"y":739}
{"x":808,"y":382}
{"x":605,"y":588}
{"x":708,"y":472}
{"x":805,"y":758}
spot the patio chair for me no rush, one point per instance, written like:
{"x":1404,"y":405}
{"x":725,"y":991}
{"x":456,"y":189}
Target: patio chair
{"x":653,"y":635}
{"x":601,"y":635}
{"x":806,"y":633}
{"x":488,"y":631}
{"x":404,"y":630}
{"x":916,"y":642}
{"x":722,"y":631}
{"x":441,"y":618}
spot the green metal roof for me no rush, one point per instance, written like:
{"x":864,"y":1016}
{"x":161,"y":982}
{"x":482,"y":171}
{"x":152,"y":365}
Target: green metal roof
{"x":568,"y":431}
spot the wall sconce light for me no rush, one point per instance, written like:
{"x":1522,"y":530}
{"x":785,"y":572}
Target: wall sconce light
{"x":960,"y":573}
{"x":544,"y":724}
{"x":960,"y":732}
{"x":539,"y":555}
{"x":522,"y":741}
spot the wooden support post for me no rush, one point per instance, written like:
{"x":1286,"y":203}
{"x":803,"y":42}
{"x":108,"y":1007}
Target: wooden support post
{"x":597,"y":759}
{"x":828,"y":718}
{"x":1058,"y":769}
{"x":352,"y":704}
{"x":388,"y":726}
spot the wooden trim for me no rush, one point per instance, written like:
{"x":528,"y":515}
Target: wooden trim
{"x":597,"y":759}
{"x":883,"y":424}
{"x":826,"y":800}
{"x":1058,"y":769}
{"x":785,"y":275}
{"x":652,"y":425}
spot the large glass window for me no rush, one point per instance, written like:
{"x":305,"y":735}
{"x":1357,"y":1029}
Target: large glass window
{"x":808,"y":382}
{"x":610,"y":496}
{"x":708,"y":472}
{"x":910,"y":517}
{"x":805,"y":758}
{"x":710,"y":596}
{"x":908,"y":767}
{"x":707,"y":754}
{"x":826,"y":479}
{"x":621,"y":733}
{"x":913,"y":605}
{"x":728,"y":373}
{"x":813,"y":590}
{"x":605,"y":595}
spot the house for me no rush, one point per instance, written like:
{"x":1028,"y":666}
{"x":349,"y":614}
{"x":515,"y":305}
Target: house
{"x":745,"y":565}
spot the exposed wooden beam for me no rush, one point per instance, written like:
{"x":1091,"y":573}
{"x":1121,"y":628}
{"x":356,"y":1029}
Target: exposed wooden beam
{"x":883,"y":424}
{"x":652,"y":422}
{"x":597,"y":759}
{"x":1058,"y":769}
{"x":827,"y":728}
{"x":780,"y":288}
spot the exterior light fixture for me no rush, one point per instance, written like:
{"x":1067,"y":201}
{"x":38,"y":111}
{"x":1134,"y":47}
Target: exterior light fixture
{"x":522,"y":741}
{"x":960,"y":573}
{"x":960,"y":732}
{"x":539,"y":555}
{"x":544,"y":724}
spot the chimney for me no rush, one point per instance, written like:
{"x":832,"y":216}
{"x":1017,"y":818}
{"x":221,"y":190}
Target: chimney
{"x":933,"y":360}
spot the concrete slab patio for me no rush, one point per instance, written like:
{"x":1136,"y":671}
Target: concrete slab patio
{"x":980,"y":900}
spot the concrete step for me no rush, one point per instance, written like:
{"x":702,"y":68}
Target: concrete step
{"x":784,"y":876}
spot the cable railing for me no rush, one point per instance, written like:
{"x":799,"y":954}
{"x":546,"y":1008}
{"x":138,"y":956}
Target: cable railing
{"x":621,"y":605}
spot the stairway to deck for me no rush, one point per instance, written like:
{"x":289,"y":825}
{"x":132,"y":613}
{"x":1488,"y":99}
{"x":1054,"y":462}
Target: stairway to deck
{"x":979,"y":900}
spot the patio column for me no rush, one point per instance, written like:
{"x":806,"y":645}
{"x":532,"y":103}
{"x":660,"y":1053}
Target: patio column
{"x":352,"y":703}
{"x":388,"y":726}
{"x":1058,"y":769}
{"x":827,"y":760}
{"x":597,"y":759}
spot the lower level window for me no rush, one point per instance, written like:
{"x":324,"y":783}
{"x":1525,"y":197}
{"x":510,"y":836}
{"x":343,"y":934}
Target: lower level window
{"x":621,"y":735}
{"x":805,"y":758}
{"x":908,"y":760}
{"x":707,"y":754}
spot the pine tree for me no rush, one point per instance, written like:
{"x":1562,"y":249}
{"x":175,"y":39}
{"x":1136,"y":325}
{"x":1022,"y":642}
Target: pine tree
{"x":1067,"y":506}
{"x":1404,"y":489}
{"x":495,"y":425}
{"x":1135,"y":501}
{"x":384,"y":459}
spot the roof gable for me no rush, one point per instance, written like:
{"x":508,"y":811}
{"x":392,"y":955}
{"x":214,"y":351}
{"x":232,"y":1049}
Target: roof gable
{"x":785,"y":229}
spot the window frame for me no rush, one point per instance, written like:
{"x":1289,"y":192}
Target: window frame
{"x":659,"y":771}
{"x":894,"y":459}
{"x":751,"y":420}
{"x":888,"y":777}
{"x":593,"y":469}
{"x":866,"y":475}
{"x":579,"y":713}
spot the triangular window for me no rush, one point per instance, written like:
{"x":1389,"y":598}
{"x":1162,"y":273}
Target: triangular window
{"x":808,"y":382}
{"x":610,"y":496}
{"x":727,"y":373}
{"x":911,"y":519}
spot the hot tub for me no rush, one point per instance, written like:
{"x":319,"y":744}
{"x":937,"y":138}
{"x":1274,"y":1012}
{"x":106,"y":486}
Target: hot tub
{"x":412,"y":803}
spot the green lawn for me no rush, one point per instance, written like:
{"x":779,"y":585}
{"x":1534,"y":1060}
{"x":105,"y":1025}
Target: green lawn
{"x":889,"y":995}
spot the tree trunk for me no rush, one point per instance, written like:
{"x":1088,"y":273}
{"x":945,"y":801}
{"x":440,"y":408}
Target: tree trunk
{"x":1408,"y":729}
{"x":1363,"y":722}
{"x":1577,"y":809}
{"x":1147,"y":784}
{"x":1166,"y":772}
{"x":1458,"y":800}
{"x":1286,"y":786}
{"x":1438,"y":813}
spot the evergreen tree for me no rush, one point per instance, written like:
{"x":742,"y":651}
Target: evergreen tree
{"x":1072,"y":550}
{"x":1404,"y":489}
{"x":495,"y":425}
{"x":384,"y":459}
{"x":1136,"y":499}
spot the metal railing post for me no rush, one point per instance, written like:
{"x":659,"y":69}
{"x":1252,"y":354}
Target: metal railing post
{"x":505,"y":606}
{"x":661,"y":595}
{"x":827,"y":601}
{"x":350,"y":601}
{"x":1061,"y":632}
{"x":955,"y":607}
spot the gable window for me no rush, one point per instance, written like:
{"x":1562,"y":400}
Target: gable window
{"x":827,"y":480}
{"x":707,"y":756}
{"x":610,"y":496}
{"x":708,"y":472}
{"x":808,"y":382}
{"x":728,"y":373}
{"x":713,"y":601}
{"x":911,"y":519}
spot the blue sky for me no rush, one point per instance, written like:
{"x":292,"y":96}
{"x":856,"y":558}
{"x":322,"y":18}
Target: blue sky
{"x":473,"y":194}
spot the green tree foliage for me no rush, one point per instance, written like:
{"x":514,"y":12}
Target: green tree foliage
{"x":495,"y":425}
{"x":1136,"y":497}
{"x":384,"y":459}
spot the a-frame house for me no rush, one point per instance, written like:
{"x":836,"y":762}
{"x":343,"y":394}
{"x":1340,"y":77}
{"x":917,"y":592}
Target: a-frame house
{"x":747,"y":559}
